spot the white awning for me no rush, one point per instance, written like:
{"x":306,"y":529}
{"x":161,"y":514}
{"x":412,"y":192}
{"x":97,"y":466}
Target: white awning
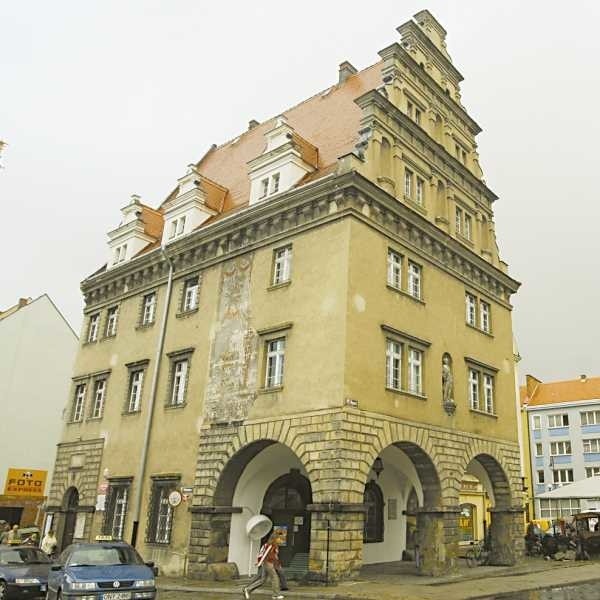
{"x":584,"y":488}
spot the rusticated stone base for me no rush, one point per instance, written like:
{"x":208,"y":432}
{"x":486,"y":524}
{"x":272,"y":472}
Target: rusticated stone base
{"x":506,"y":537}
{"x":438,"y":542}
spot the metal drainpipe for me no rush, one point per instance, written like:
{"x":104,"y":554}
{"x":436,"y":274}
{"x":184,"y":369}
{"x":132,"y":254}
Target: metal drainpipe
{"x":144,"y":456}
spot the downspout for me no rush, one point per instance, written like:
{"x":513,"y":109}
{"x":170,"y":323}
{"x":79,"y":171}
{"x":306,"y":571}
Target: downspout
{"x":144,"y":456}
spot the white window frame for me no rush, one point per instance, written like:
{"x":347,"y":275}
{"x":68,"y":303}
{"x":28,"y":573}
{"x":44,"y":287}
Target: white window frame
{"x":393,"y":365}
{"x":112,"y":315}
{"x":468,"y":228}
{"x":180,"y":380}
{"x":136,"y":382}
{"x":414,"y":279}
{"x":562,"y":476}
{"x":591,"y":445}
{"x":471,"y":309}
{"x":539,"y":449}
{"x":552,"y":421}
{"x":99,"y":398}
{"x":484,"y":316}
{"x":540,"y":480}
{"x":589,"y":417}
{"x":78,"y":403}
{"x":180,"y":225}
{"x":93,"y":327}
{"x":417,"y":116}
{"x":164,"y":517}
{"x":488,"y":393}
{"x":408,"y":183}
{"x":264,"y":188}
{"x":458,"y":220}
{"x":474,"y":384}
{"x":120,"y":254}
{"x":275,"y":183}
{"x":394,"y":269}
{"x":592,"y":472}
{"x":420,"y":197}
{"x":191,"y":288}
{"x":149,"y":308}
{"x":415,"y":371}
{"x":561,"y":448}
{"x":536,"y":422}
{"x":282,"y":265}
{"x":275,"y":361}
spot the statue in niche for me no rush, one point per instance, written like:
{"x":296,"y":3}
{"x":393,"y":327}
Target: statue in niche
{"x":448,"y":385}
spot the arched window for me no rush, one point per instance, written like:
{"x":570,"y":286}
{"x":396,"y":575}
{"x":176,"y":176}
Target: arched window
{"x":373,"y":529}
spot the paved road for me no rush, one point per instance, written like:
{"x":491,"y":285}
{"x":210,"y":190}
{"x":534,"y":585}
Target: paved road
{"x":589,"y":591}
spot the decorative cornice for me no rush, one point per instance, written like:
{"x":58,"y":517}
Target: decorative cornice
{"x":313,"y":205}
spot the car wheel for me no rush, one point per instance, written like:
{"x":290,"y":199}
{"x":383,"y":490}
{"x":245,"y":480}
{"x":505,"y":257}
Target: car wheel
{"x":3,"y":594}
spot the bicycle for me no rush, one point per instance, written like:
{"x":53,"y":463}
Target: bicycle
{"x":477,"y":555}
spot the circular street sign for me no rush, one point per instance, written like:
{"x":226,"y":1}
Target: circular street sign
{"x":174,"y":498}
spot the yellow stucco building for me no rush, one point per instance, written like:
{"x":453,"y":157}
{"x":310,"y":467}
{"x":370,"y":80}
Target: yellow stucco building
{"x":316,"y":325}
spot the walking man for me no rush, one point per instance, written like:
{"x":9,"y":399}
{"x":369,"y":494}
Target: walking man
{"x":268,"y":559}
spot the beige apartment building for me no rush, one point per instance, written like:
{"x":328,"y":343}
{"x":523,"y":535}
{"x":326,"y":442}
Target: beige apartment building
{"x":315,"y":325}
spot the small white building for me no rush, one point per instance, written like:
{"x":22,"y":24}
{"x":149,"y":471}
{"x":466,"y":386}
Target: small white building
{"x":37,"y":350}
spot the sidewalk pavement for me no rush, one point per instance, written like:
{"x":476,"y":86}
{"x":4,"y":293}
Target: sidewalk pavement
{"x":393,"y":581}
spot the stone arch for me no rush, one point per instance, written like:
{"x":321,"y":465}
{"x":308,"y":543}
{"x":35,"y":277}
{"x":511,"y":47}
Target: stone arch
{"x":70,"y":500}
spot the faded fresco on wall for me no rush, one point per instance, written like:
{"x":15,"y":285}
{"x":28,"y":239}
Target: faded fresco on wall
{"x":233,"y":365}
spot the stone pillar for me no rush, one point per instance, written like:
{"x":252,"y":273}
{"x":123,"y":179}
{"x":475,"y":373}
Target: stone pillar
{"x":336,"y":541}
{"x":506,"y":536}
{"x":437,"y":537}
{"x":209,"y":541}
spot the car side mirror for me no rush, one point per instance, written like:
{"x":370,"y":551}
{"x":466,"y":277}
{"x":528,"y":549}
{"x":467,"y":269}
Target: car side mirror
{"x":55,"y":567}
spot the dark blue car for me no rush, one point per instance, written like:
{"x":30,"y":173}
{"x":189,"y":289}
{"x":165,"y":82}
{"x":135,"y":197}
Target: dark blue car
{"x":101,"y":571}
{"x":23,"y":572}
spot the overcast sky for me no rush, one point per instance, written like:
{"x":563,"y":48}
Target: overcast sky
{"x":102,"y":99}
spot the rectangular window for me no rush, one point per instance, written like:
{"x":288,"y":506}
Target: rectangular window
{"x":551,"y":509}
{"x":420,"y":191}
{"x":408,"y":183}
{"x":180,"y":225}
{"x":484,"y":316}
{"x":393,"y":365}
{"x":471,"y":304}
{"x":93,"y":328}
{"x":539,"y":450}
{"x":149,"y":309}
{"x":488,"y":392}
{"x":120,"y":254}
{"x":264,"y":187}
{"x":414,"y":280}
{"x":591,"y":446}
{"x":457,"y":150}
{"x":474,"y":388}
{"x":99,"y":398}
{"x":116,"y":510}
{"x":179,"y":378}
{"x":562,"y":476}
{"x":111,"y":321}
{"x":160,"y":514}
{"x":590,"y":417}
{"x":561,"y":448}
{"x":415,"y":362}
{"x":458,"y":222}
{"x":190,"y":294}
{"x":468,"y":226}
{"x":417,"y":116}
{"x":409,"y":109}
{"x":592,"y":471}
{"x":536,"y":422}
{"x":394,"y":269}
{"x":136,"y":380}
{"x":282,"y":265}
{"x":558,"y":421}
{"x":275,"y":362}
{"x":78,"y":403}
{"x":275,"y":183}
{"x":540,"y":477}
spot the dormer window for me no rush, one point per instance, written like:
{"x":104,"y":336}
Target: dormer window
{"x":264,"y":187}
{"x":120,"y":254}
{"x":177,"y":227}
{"x":274,"y":183}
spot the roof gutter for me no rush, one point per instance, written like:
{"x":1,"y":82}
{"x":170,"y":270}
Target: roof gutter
{"x":139,"y":481}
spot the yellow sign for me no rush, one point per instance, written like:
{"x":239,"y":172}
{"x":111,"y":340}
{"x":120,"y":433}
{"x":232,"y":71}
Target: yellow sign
{"x":25,"y":482}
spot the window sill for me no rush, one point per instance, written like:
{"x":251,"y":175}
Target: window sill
{"x":407,"y":393}
{"x":71,"y":422}
{"x":406,"y":294}
{"x":465,"y":240}
{"x":271,"y":390}
{"x":187,"y":313}
{"x":416,"y":206}
{"x":129,"y":413}
{"x":89,"y":342}
{"x":94,"y":419}
{"x":483,"y":413}
{"x":145,"y":325}
{"x":159,"y":544}
{"x":108,"y":337}
{"x":175,"y":406}
{"x":277,"y":286}
{"x":488,"y":333}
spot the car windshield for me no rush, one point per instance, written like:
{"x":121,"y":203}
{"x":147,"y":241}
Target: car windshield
{"x":104,"y":555}
{"x":22,"y":556}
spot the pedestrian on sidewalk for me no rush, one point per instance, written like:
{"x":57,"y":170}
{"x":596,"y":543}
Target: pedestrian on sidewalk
{"x":268,"y":562}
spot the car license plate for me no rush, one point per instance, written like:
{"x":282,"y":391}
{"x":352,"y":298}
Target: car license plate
{"x":116,"y":596}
